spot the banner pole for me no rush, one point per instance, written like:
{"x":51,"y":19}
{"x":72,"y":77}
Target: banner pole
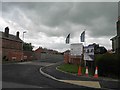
{"x":84,"y":47}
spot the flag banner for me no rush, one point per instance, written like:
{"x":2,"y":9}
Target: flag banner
{"x":82,"y":37}
{"x":68,"y":39}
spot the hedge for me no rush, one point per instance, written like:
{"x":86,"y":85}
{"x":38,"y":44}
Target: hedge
{"x":108,"y":64}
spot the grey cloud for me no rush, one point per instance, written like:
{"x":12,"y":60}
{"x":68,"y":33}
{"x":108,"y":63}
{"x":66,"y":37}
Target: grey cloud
{"x":57,"y":14}
{"x":57,"y":19}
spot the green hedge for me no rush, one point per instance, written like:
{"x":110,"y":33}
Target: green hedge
{"x":108,"y":65}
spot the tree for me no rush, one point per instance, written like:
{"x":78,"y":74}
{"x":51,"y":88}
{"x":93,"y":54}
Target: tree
{"x":99,"y":49}
{"x":27,"y":47}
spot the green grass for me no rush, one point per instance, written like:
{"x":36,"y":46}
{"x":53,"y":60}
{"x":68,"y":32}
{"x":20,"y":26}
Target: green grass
{"x":71,"y":68}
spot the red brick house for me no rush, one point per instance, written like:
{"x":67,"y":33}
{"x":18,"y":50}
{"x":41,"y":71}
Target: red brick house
{"x":38,"y":53}
{"x":11,"y":45}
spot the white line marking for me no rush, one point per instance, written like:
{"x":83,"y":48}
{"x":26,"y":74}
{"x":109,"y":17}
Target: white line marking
{"x":92,"y":84}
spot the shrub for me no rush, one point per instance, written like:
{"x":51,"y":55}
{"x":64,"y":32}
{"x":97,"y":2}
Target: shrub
{"x":108,"y":64}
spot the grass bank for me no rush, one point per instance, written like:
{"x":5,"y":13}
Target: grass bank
{"x":71,"y":68}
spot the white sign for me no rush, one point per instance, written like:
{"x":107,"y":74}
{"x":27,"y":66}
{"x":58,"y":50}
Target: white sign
{"x":89,"y":53}
{"x":76,"y":49}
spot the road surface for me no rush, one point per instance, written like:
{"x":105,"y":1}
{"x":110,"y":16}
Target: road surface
{"x":27,"y":75}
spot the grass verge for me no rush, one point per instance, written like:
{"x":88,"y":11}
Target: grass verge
{"x":71,"y":68}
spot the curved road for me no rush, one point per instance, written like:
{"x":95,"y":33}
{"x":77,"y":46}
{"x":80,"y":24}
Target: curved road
{"x":27,"y":75}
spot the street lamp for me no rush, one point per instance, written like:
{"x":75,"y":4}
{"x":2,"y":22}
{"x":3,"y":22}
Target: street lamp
{"x":23,"y":35}
{"x":22,"y":46}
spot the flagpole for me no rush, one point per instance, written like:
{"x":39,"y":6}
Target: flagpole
{"x":84,"y":46}
{"x":68,"y":42}
{"x":69,"y":48}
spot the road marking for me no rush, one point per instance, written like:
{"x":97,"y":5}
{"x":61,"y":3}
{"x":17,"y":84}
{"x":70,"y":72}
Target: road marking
{"x":24,"y":63}
{"x":47,"y":75}
{"x":36,"y":63}
{"x":93,"y":84}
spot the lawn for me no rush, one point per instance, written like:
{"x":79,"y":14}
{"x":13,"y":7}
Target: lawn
{"x":71,"y":68}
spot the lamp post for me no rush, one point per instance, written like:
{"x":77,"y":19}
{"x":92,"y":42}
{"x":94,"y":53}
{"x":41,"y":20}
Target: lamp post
{"x":22,"y":46}
{"x":23,"y":35}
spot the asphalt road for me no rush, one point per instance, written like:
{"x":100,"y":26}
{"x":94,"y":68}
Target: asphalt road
{"x":27,"y":75}
{"x":105,"y":83}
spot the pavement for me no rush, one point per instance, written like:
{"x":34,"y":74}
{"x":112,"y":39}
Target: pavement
{"x":103,"y":83}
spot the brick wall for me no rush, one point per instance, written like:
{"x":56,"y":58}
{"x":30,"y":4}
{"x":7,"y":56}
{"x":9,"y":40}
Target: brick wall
{"x":71,"y":59}
{"x":11,"y":44}
{"x":11,"y":49}
{"x":17,"y":55}
{"x":12,"y":54}
{"x":66,"y":57}
{"x":29,"y":55}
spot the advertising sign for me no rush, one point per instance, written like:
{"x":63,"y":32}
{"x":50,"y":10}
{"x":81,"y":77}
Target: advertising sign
{"x":89,"y":53}
{"x":76,"y":49}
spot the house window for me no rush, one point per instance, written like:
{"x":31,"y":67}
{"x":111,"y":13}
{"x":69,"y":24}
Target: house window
{"x":92,"y":50}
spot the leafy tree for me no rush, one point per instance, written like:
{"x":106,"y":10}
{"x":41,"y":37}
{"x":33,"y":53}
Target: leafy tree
{"x":27,"y":47}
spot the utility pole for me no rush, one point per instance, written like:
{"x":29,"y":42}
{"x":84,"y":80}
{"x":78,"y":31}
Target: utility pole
{"x":22,"y":46}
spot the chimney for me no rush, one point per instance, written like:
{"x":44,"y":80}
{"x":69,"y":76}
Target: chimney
{"x":6,"y":31}
{"x":17,"y":34}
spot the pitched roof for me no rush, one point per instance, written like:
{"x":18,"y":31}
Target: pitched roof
{"x":10,"y":37}
{"x":113,"y":38}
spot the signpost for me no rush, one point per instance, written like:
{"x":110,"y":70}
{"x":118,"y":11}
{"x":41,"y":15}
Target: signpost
{"x":77,"y":52}
{"x":89,"y":53}
{"x":76,"y":49}
{"x":89,"y":56}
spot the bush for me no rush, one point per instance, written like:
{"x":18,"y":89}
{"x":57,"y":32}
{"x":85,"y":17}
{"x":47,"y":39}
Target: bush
{"x":108,"y":64}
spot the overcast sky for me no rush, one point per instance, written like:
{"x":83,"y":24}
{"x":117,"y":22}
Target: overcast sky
{"x":48,"y":23}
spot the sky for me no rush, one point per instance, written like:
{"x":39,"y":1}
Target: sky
{"x":47,"y":24}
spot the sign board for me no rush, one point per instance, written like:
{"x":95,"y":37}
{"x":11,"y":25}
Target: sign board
{"x":89,"y":53}
{"x":76,"y":49}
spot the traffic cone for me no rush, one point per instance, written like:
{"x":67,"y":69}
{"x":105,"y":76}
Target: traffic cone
{"x":79,"y":71}
{"x":86,"y":72}
{"x":96,"y":73}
